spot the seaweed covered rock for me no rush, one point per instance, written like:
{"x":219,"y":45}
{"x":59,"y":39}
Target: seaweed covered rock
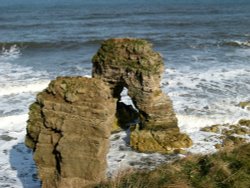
{"x":231,"y":134}
{"x":133,"y":64}
{"x":245,"y":105}
{"x":68,"y":129}
{"x":163,"y":141}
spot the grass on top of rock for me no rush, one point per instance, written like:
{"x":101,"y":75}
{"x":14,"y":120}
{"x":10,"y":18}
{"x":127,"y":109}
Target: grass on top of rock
{"x":133,"y":54}
{"x":224,"y":169}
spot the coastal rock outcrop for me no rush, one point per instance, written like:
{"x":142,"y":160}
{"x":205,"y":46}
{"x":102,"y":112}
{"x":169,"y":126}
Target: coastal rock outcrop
{"x":71,"y":121}
{"x":230,"y":134}
{"x":68,"y":129}
{"x":133,"y":64}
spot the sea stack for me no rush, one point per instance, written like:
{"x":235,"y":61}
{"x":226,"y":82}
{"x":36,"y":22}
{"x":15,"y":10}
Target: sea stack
{"x":69,"y":129}
{"x":132,"y":63}
{"x":71,"y":121}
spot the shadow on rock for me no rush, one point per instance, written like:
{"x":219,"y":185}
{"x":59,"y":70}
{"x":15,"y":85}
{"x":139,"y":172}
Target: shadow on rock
{"x":21,"y":160}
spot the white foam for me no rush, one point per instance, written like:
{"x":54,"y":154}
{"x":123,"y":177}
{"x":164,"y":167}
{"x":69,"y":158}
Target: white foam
{"x":191,"y":125}
{"x":203,"y":142}
{"x":13,"y":123}
{"x":214,"y":93}
{"x":16,"y":79}
{"x":125,"y":98}
{"x":122,"y":157}
{"x":241,"y":43}
{"x":10,"y":54}
{"x":33,"y":87}
{"x":17,"y":167}
{"x":207,"y":97}
{"x":87,"y":76}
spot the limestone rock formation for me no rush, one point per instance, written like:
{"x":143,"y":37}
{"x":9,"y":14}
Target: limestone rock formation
{"x":68,"y":129}
{"x":132,"y":63}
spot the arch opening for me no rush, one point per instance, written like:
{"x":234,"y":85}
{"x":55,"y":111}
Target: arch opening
{"x":126,"y":112}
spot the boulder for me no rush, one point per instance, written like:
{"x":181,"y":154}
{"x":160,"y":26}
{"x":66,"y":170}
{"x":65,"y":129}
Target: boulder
{"x":245,"y":105}
{"x":68,"y":129}
{"x":162,"y":141}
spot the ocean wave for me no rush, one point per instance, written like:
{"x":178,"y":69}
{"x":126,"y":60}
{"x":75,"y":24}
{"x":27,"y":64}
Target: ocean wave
{"x":15,"y":78}
{"x":11,"y":52}
{"x":9,"y":123}
{"x":34,"y":87}
{"x":192,"y":123}
{"x":48,"y":45}
{"x":212,"y":95}
{"x":237,"y":43}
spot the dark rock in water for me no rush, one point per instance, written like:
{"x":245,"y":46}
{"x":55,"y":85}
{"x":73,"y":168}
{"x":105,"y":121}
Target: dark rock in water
{"x":245,"y":105}
{"x":70,"y":123}
{"x":231,"y":135}
{"x":132,"y":63}
{"x":7,"y":138}
{"x":213,"y":128}
{"x":244,"y":122}
{"x":69,"y":129}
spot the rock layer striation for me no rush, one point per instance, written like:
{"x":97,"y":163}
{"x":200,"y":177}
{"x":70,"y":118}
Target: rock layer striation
{"x":132,"y":63}
{"x":70,"y":123}
{"x":69,"y":129}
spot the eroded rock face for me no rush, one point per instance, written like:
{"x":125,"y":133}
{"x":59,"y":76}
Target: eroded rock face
{"x":132,"y":63}
{"x":68,"y":128}
{"x":70,"y":123}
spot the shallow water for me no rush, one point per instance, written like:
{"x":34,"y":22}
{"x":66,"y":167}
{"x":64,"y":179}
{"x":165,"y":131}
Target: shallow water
{"x":205,"y":45}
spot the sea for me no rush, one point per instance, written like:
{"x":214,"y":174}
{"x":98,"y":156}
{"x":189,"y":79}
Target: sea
{"x":206,"y":50}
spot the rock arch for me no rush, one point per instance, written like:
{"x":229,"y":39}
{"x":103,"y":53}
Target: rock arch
{"x":132,"y":63}
{"x":70,"y":123}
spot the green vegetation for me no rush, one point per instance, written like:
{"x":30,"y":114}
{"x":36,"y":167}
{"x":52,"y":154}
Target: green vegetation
{"x":226,"y":169}
{"x":133,"y":54}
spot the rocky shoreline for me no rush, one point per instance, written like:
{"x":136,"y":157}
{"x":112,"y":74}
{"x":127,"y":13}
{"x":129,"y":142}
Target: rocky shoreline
{"x":72,"y":120}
